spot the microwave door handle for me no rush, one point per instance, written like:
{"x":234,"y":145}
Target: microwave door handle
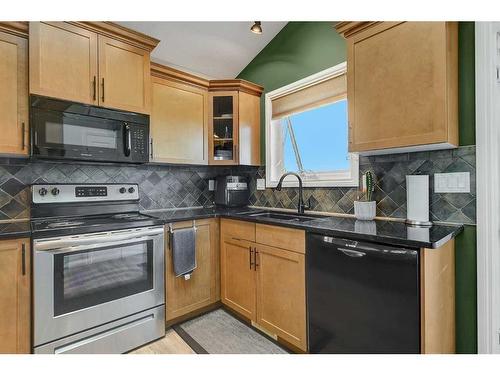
{"x":127,"y":139}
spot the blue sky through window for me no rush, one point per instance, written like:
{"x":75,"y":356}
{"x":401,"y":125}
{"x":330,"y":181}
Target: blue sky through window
{"x":321,"y":135}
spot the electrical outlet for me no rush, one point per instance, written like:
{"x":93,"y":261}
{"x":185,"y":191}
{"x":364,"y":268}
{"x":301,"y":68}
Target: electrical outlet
{"x":211,"y":185}
{"x":458,"y":182}
{"x":261,"y":184}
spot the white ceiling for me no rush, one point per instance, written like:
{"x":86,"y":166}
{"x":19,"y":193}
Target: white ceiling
{"x":211,"y":49}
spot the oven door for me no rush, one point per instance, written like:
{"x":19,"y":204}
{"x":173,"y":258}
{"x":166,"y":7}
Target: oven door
{"x":61,"y":135}
{"x":84,"y":281}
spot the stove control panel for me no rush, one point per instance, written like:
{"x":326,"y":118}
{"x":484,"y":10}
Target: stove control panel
{"x":70,"y":193}
{"x":91,"y":191}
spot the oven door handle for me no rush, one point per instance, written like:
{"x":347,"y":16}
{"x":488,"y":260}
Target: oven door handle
{"x":74,"y":248}
{"x":89,"y":241}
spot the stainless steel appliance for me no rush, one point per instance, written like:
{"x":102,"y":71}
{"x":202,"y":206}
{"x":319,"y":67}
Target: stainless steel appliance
{"x":362,"y":298}
{"x":67,"y":130}
{"x":231,"y":191}
{"x":98,"y":269}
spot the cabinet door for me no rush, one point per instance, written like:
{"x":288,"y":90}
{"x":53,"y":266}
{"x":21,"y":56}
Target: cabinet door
{"x":13,"y":94}
{"x":124,"y":76}
{"x":238,"y":277}
{"x":249,"y":129}
{"x":184,"y":296}
{"x":281,"y":302}
{"x":63,"y":62}
{"x":223,"y":128}
{"x":402,"y":85}
{"x":179,"y":123}
{"x":15,"y":300}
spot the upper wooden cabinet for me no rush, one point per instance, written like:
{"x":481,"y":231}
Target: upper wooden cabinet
{"x":203,"y":288}
{"x":15,"y":298}
{"x":13,"y":92}
{"x":402,"y":85}
{"x":63,"y":62}
{"x":179,"y":117}
{"x":96,"y":63}
{"x":124,"y":76}
{"x":234,"y":123}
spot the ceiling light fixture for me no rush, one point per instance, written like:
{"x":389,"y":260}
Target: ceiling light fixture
{"x":256,"y":28}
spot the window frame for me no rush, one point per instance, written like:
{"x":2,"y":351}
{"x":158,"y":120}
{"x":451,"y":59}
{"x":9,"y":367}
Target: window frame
{"x":346,"y":178}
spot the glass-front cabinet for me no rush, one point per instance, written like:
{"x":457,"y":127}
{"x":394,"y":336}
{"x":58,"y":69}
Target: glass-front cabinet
{"x":224,"y":131}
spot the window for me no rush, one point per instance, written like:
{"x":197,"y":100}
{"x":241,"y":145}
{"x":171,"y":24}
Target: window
{"x":307,"y":132}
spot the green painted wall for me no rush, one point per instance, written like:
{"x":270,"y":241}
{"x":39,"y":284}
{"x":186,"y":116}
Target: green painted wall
{"x":305,"y":48}
{"x":299,"y":50}
{"x":466,"y":84}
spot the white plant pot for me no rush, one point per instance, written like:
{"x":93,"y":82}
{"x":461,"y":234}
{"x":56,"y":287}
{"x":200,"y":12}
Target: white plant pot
{"x":365,"y":210}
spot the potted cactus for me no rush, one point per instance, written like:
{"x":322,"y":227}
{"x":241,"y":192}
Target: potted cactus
{"x":366,"y":209}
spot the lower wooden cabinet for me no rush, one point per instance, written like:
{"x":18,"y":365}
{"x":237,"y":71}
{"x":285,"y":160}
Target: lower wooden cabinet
{"x":281,"y":293}
{"x":202,"y":289}
{"x":238,"y":277}
{"x":15,"y":298}
{"x":265,"y":283}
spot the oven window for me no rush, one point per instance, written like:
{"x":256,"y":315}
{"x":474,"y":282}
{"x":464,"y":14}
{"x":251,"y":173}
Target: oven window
{"x":91,"y":277}
{"x":68,"y":134}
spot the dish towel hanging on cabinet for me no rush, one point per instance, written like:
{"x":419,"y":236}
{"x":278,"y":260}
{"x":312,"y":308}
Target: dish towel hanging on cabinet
{"x":184,"y":251}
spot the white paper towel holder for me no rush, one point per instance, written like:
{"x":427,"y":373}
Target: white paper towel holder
{"x":417,"y":200}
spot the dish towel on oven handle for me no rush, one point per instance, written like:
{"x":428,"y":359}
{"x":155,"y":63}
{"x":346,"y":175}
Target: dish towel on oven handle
{"x":184,"y":251}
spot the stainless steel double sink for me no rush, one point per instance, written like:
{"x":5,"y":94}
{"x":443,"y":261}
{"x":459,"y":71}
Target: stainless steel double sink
{"x":280,"y":216}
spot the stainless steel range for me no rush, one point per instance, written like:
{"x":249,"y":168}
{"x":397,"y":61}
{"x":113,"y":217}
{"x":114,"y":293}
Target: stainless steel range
{"x":98,"y":269}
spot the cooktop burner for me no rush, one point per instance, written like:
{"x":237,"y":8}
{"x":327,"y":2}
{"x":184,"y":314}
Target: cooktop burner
{"x":68,"y":209}
{"x":96,"y":223}
{"x":61,"y":224}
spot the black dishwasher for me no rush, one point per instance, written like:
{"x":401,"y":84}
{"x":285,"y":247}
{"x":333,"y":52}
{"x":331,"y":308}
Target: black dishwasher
{"x":361,"y":297}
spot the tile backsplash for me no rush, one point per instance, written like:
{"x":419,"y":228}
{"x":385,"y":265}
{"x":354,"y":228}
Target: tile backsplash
{"x":160,"y":186}
{"x":164,"y":186}
{"x":390,"y":190}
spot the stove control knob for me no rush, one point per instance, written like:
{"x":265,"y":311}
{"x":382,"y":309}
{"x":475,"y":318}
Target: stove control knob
{"x":131,"y":190}
{"x":122,"y":190}
{"x":55,"y":191}
{"x":42,"y":192}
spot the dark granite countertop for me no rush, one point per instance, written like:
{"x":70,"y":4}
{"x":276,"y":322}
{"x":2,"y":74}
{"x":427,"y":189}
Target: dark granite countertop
{"x":15,"y":229}
{"x":382,"y":231}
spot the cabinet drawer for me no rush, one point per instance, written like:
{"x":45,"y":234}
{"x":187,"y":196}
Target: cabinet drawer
{"x":242,"y":230}
{"x":281,"y":237}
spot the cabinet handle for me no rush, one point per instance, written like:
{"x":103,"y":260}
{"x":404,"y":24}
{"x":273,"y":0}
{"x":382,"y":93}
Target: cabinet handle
{"x":255,"y":259}
{"x":23,"y":259}
{"x":23,"y":128}
{"x":102,"y":98}
{"x":94,"y":85}
{"x":250,"y":253}
{"x":151,"y":147}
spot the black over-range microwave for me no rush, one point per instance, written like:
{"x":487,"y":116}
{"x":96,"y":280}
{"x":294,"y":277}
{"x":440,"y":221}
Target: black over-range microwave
{"x":65,"y":130}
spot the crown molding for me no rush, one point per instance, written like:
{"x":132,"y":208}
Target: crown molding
{"x":350,"y":28}
{"x":162,"y":71}
{"x":15,"y":28}
{"x":236,"y":85}
{"x":123,"y":34}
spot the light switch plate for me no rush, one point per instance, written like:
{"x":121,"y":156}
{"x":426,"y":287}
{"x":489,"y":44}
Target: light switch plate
{"x":261,"y":184}
{"x":458,"y":182}
{"x":211,"y":185}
